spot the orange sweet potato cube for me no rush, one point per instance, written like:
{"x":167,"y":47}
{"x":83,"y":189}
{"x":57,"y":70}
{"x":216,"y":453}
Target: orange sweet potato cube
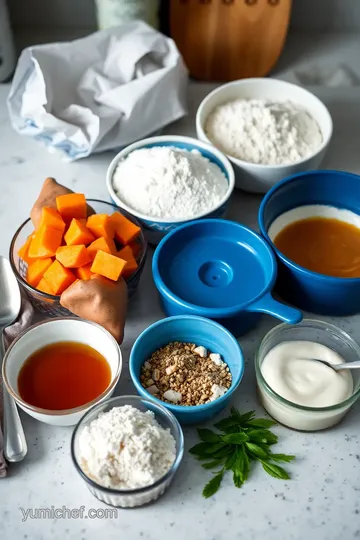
{"x":100,"y":225}
{"x":84,"y":272}
{"x":51,"y":217}
{"x":125,"y":231}
{"x":73,"y":256}
{"x":102,"y":244}
{"x":24,"y":250}
{"x":127,"y":255}
{"x":108,"y":265}
{"x":36,"y":270}
{"x":45,"y":242}
{"x":78,"y":234}
{"x":44,"y":287}
{"x":58,"y":277}
{"x":71,"y":206}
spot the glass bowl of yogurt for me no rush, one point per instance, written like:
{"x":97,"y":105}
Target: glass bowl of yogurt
{"x":295,"y":390}
{"x":127,"y":450}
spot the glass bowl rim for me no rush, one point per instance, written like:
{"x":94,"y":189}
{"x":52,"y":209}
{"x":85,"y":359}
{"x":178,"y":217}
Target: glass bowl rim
{"x":47,"y":296}
{"x":61,"y":412}
{"x":323,"y":326}
{"x":179,"y":438}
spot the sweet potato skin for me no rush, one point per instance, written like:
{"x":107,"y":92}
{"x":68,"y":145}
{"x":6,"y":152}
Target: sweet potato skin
{"x":47,"y":197}
{"x":99,"y":300}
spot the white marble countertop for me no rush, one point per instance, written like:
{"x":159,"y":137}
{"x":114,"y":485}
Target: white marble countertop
{"x":322,"y":499}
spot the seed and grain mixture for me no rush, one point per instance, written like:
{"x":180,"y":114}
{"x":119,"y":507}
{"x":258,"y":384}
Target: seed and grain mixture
{"x":185,"y":374}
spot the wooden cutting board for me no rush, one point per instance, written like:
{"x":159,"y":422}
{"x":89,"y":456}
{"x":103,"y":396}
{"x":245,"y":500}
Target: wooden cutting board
{"x":224,"y":40}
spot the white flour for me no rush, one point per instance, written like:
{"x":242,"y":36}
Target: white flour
{"x":125,"y":448}
{"x":169,"y":183}
{"x":264,"y":132}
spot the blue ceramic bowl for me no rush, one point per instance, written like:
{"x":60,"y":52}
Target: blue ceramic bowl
{"x":220,"y":270}
{"x":155,"y":230}
{"x":309,"y":290}
{"x":191,"y":329}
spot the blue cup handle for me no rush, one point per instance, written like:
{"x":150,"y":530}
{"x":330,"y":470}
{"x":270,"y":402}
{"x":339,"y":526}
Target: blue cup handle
{"x":267,"y":304}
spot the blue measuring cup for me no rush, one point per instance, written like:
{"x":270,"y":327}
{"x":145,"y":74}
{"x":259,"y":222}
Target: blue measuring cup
{"x":221,"y":270}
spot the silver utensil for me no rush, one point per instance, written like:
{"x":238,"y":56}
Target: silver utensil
{"x":15,"y":447}
{"x":337,"y":367}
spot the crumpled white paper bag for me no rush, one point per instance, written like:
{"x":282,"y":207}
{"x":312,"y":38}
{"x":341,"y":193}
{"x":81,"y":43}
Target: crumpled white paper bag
{"x":100,"y":92}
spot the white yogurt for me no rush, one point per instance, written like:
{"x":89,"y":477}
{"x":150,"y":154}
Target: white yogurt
{"x":289,"y":373}
{"x":311,"y":211}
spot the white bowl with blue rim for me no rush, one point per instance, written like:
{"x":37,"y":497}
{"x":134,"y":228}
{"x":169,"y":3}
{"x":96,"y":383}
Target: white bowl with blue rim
{"x":156,"y":228}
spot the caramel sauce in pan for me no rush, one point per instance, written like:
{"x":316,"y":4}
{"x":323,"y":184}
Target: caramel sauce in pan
{"x":324,"y":245}
{"x":63,"y":375}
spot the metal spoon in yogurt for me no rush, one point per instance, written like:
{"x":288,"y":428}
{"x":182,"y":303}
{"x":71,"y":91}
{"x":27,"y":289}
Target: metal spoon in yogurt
{"x":336,"y":367}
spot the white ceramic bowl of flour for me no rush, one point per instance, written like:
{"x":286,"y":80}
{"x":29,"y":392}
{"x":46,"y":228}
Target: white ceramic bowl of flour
{"x":272,"y":153}
{"x":141,"y":173}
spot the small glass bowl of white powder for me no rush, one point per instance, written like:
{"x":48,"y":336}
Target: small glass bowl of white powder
{"x":169,"y":180}
{"x":297,"y":392}
{"x":127,"y":450}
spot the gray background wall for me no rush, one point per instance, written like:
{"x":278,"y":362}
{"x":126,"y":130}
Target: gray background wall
{"x":307,"y":15}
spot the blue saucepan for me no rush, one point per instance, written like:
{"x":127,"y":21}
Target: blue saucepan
{"x":309,"y":290}
{"x":220,"y":270}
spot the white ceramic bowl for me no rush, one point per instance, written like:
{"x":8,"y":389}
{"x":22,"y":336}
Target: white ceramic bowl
{"x":156,"y":228}
{"x":52,"y":331}
{"x":260,"y":178}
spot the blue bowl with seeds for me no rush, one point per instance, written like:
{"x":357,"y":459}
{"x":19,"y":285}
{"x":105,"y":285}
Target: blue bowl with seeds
{"x":189,"y":329}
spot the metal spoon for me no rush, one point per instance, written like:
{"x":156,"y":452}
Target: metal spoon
{"x":337,"y":367}
{"x":15,"y":447}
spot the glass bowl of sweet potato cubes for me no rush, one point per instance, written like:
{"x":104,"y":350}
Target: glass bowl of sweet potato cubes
{"x":70,"y":245}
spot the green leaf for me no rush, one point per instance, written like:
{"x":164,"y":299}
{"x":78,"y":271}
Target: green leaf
{"x":213,"y":485}
{"x":199,"y":449}
{"x":262,"y":436}
{"x":222,"y":452}
{"x":257,"y":450}
{"x":261,"y":423}
{"x":242,"y":418}
{"x":282,"y":457}
{"x":275,"y":471}
{"x":204,"y":448}
{"x":237,"y":479}
{"x":208,"y":436}
{"x":235,"y":438}
{"x":212,"y":464}
{"x":230,"y":460}
{"x":230,"y":422}
{"x":241,"y":467}
{"x":212,"y":448}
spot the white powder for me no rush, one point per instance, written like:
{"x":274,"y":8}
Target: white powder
{"x":264,"y":132}
{"x":169,"y":183}
{"x":125,"y":448}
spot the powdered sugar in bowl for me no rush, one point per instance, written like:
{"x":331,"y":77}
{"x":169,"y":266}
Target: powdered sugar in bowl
{"x":127,"y":449}
{"x":270,"y":129}
{"x":169,"y":180}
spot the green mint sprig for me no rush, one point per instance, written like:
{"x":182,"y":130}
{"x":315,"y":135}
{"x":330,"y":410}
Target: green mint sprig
{"x":240,"y":439}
